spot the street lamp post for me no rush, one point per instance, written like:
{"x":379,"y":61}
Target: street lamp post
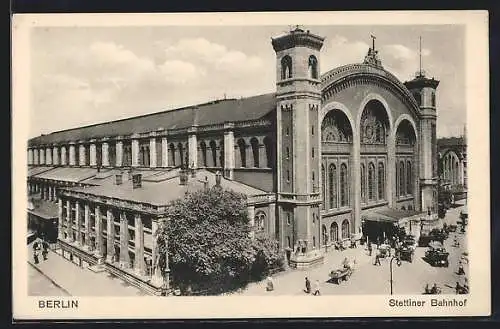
{"x":398,"y":262}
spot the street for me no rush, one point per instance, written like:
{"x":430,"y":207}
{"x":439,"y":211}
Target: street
{"x":40,"y":285}
{"x":409,"y":278}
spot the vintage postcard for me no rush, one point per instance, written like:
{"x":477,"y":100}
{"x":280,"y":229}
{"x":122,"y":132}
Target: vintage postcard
{"x":250,"y":165}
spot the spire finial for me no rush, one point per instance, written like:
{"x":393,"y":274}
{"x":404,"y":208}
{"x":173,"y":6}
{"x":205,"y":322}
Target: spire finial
{"x":420,"y":53}
{"x":373,"y":41}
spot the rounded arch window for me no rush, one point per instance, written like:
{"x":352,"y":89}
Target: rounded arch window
{"x":334,"y":232}
{"x":260,"y":218}
{"x":374,"y":123}
{"x":336,"y":128}
{"x":313,"y":67}
{"x":286,"y":67}
{"x":345,"y":229}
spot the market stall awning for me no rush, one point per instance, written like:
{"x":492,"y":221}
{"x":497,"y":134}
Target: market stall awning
{"x":386,"y":214}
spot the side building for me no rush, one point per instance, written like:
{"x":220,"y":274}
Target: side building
{"x":349,"y":154}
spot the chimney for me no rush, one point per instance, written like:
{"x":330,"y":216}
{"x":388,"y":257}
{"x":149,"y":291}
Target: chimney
{"x":183,"y":177}
{"x":119,"y":179}
{"x":218,"y":178}
{"x":137,"y":181}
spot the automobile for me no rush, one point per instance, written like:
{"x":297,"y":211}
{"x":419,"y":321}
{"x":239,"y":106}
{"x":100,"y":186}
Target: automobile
{"x":437,"y":255}
{"x":410,"y":241}
{"x":438,"y":235}
{"x":406,"y":252}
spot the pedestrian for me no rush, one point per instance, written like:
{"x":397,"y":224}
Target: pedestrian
{"x":434,"y":289}
{"x":35,"y":253}
{"x":377,"y":259}
{"x":460,"y":268}
{"x":308,"y":286}
{"x":457,"y":288}
{"x":45,"y":250}
{"x":316,"y":288}
{"x":370,"y":248}
{"x":269,"y":285}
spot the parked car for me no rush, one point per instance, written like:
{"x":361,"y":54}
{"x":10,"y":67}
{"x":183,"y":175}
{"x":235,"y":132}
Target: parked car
{"x":437,"y":255}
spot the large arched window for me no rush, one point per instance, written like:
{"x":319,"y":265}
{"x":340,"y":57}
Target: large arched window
{"x":363,"y":183}
{"x":332,"y":186}
{"x":286,"y":67}
{"x":334,"y":232}
{"x":381,"y":181}
{"x":313,"y":67}
{"x":255,"y":151}
{"x":267,"y":145}
{"x":374,"y":123}
{"x":221,"y":153}
{"x":127,"y":155}
{"x":345,"y":229}
{"x":409,"y":178}
{"x":260,"y":219}
{"x":323,"y":185}
{"x":344,"y":186}
{"x":324,"y":235}
{"x":335,"y":128}
{"x":402,"y":190}
{"x":213,"y":151}
{"x":371,"y":181}
{"x":203,"y":149}
{"x":405,"y":134}
{"x":243,"y":152}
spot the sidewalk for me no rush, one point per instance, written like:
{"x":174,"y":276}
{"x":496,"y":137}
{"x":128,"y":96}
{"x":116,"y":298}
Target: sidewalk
{"x":78,"y":281}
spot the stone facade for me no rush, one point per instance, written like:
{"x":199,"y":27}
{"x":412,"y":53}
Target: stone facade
{"x":326,"y":149}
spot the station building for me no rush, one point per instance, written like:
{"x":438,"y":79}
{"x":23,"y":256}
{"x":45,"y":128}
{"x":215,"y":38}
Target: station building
{"x":323,"y":159}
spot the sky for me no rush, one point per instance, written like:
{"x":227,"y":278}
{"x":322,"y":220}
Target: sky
{"x":86,"y":75}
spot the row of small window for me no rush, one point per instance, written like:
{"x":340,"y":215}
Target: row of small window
{"x":287,"y":131}
{"x":287,"y":67}
{"x":418,"y":97}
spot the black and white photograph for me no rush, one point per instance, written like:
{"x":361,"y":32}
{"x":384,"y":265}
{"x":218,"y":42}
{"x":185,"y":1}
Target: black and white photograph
{"x":270,"y":159}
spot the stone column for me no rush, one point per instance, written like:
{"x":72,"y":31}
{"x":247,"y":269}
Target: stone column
{"x":139,"y":265}
{"x":119,"y":152}
{"x":42,"y":156}
{"x":193,"y":149}
{"x":78,"y":223}
{"x":355,"y":178}
{"x":249,"y":153}
{"x":263,"y":156}
{"x":152,"y":151}
{"x":55,"y":156}
{"x":42,"y":191}
{"x":48,"y":156}
{"x":36,"y":159}
{"x":251,"y":218}
{"x":135,"y":151}
{"x":164,"y":152}
{"x":69,"y":221}
{"x":81,"y":154}
{"x":72,"y":154}
{"x":98,"y":232}
{"x":60,"y":224}
{"x":110,"y":254}
{"x":64,"y":161}
{"x":157,"y":278}
{"x":93,"y":153}
{"x":30,"y":157}
{"x":86,"y":215}
{"x":229,"y":161}
{"x":105,"y":154}
{"x":124,"y":255}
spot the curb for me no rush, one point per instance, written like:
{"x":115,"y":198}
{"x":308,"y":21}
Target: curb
{"x":52,"y":281}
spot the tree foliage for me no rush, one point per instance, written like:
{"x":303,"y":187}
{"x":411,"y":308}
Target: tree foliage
{"x":267,"y":257}
{"x":208,"y":240}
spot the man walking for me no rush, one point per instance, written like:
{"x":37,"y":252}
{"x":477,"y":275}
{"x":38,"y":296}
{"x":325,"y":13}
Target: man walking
{"x":308,"y":286}
{"x":316,"y":288}
{"x":35,"y":252}
{"x":45,"y":249}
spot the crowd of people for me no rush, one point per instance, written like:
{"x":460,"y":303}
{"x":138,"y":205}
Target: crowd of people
{"x":40,"y":247}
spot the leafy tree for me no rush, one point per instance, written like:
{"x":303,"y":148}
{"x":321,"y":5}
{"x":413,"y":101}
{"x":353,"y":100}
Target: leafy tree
{"x":209,"y":245}
{"x":267,"y":257}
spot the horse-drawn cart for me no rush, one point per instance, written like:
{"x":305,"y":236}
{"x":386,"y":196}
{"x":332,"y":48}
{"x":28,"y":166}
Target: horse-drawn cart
{"x":340,"y":275}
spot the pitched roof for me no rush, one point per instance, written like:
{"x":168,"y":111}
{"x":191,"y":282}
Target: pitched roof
{"x":162,"y":191}
{"x":216,"y":112}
